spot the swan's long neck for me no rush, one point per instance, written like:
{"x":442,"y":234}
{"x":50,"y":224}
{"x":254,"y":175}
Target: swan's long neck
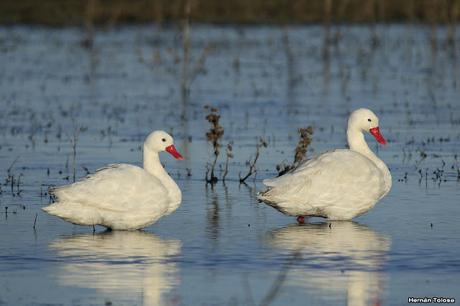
{"x":357,"y":143}
{"x":153,"y":166}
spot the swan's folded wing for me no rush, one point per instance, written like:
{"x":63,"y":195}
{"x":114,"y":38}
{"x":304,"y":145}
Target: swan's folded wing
{"x":291,"y":176}
{"x":117,"y":187}
{"x":328,"y":178}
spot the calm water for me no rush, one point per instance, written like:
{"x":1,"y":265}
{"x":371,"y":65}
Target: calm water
{"x":221,"y":247}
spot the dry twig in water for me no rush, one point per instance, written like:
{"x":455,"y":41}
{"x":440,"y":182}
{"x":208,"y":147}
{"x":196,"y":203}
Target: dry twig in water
{"x":213,"y":136}
{"x":229,"y":156}
{"x":252,"y":164}
{"x":73,"y":141}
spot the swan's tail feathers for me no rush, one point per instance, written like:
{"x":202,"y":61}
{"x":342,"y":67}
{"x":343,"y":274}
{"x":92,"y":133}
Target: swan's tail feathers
{"x":271,"y":182}
{"x":58,"y":193}
{"x":260,"y":195}
{"x":265,"y":196}
{"x":73,"y":212}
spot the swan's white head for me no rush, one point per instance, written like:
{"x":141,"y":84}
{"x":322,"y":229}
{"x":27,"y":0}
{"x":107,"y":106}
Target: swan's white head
{"x":365,"y":120}
{"x":159,"y":141}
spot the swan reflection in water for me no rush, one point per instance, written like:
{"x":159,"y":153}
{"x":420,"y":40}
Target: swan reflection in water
{"x":121,"y":266}
{"x":341,"y":260}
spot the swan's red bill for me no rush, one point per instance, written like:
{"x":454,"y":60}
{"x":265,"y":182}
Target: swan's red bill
{"x":172,"y":150}
{"x":376,"y":133}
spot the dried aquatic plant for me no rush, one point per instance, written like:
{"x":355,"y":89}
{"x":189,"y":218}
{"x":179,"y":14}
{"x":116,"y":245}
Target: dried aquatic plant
{"x":73,"y":141}
{"x":302,"y":146}
{"x":300,"y":153}
{"x":213,"y":136}
{"x":252,"y":164}
{"x":229,"y":156}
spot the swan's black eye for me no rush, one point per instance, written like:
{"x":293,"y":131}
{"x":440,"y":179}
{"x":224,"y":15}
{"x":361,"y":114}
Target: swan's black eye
{"x":163,"y":140}
{"x":369,"y":120}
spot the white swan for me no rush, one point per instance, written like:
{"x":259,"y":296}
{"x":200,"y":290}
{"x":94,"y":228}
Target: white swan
{"x":122,"y":196}
{"x":339,"y":184}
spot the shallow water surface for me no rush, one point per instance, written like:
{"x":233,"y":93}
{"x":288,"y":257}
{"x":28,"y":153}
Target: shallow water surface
{"x":222,"y":247}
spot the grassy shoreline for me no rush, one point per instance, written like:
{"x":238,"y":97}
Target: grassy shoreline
{"x":106,"y":12}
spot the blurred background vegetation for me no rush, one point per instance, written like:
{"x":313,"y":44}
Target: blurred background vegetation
{"x":110,"y":12}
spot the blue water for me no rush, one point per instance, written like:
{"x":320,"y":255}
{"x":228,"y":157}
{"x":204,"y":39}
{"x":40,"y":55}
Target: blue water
{"x":222,"y":247}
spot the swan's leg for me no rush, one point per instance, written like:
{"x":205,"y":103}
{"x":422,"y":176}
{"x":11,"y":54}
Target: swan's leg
{"x":301,"y":219}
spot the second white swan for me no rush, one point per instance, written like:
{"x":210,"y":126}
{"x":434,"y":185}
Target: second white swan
{"x":339,"y":184}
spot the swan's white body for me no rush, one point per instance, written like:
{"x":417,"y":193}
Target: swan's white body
{"x":122,"y":196}
{"x":339,"y":184}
